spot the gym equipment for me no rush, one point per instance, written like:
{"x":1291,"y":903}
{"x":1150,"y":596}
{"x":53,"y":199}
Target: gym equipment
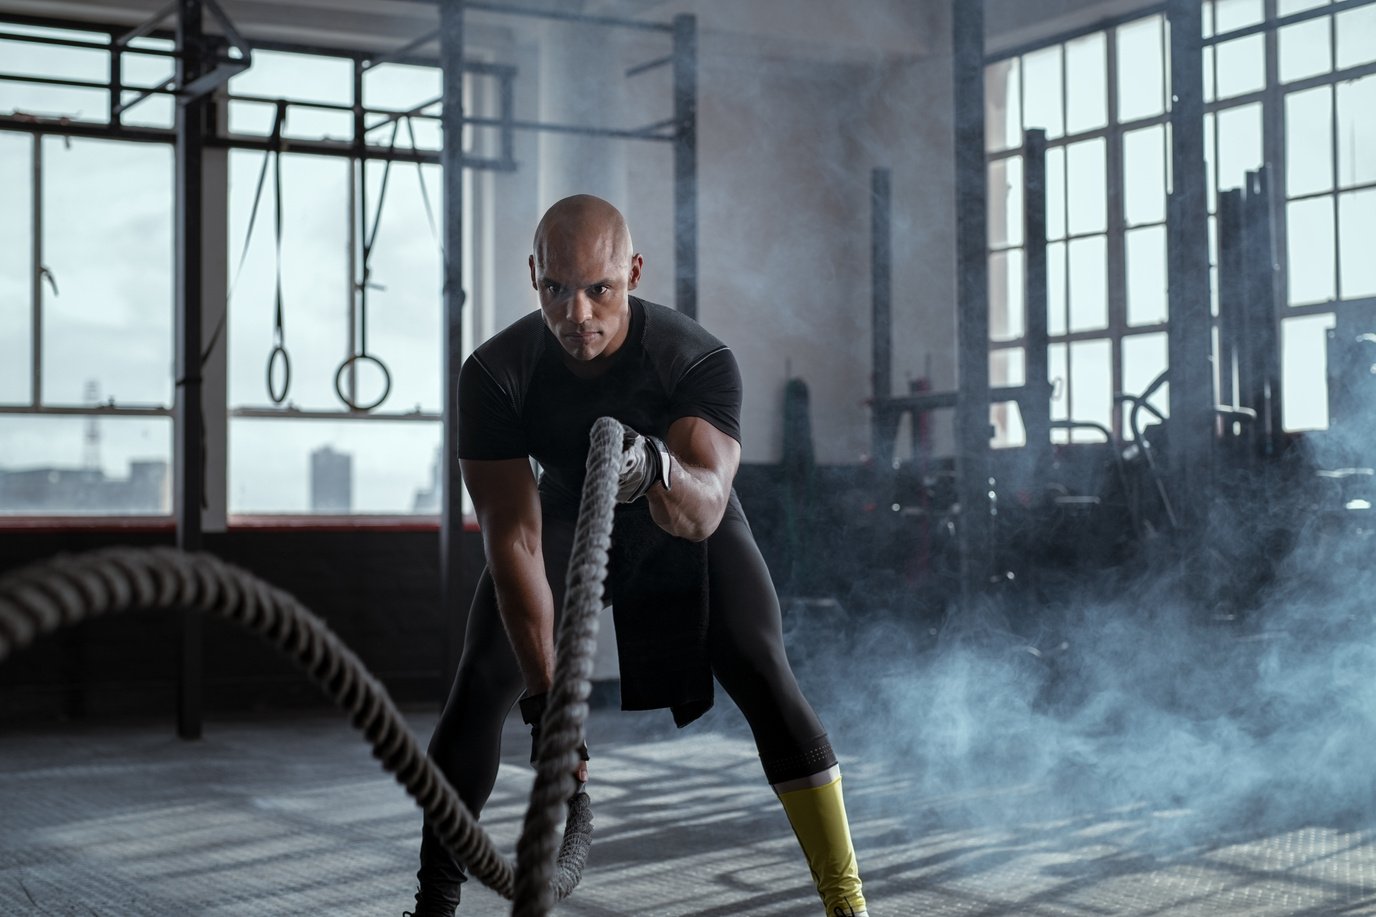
{"x":364,"y":283}
{"x":279,"y":353}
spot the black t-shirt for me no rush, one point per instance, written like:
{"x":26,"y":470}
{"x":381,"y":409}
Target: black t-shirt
{"x":518,"y":399}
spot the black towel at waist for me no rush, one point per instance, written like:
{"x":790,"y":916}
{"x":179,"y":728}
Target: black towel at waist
{"x":660,"y":604}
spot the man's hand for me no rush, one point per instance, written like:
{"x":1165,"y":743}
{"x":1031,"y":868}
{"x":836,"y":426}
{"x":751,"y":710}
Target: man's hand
{"x":642,"y":464}
{"x":532,"y":712}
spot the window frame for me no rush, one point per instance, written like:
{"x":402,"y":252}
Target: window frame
{"x":1271,"y":97}
{"x":1116,"y":228}
{"x":368,"y":143}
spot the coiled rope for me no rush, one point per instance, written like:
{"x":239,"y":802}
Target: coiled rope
{"x":63,"y":591}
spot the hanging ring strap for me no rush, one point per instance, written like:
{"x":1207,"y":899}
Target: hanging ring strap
{"x":243,"y":251}
{"x":369,"y":240}
{"x":279,"y":343}
{"x":425,"y":192}
{"x":429,"y":211}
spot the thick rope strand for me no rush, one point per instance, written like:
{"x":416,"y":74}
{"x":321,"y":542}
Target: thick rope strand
{"x":65,"y":590}
{"x":561,"y":730}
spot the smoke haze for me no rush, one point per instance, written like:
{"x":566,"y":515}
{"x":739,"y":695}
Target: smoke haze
{"x":1128,"y":692}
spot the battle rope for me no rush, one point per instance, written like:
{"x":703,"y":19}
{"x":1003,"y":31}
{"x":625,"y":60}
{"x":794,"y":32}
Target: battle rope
{"x":63,"y":591}
{"x":561,"y":729}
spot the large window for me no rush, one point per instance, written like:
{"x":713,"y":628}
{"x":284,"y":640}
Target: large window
{"x":1101,"y":98}
{"x":361,"y":273}
{"x":1323,"y":103}
{"x":86,"y":286}
{"x":85,"y":293}
{"x":1290,"y":83}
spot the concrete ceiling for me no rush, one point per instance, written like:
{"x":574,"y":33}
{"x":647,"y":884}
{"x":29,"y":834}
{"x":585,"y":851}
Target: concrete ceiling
{"x":354,"y":24}
{"x":857,"y":30}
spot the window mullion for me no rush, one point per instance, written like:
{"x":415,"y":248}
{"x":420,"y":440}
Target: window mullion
{"x":1065,"y":185}
{"x":1273,"y":144}
{"x":36,"y":291}
{"x":1333,"y":153}
{"x":1116,"y":248}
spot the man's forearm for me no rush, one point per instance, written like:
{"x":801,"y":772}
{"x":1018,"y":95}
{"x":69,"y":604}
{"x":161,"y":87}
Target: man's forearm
{"x":693,"y":505}
{"x":527,"y":610}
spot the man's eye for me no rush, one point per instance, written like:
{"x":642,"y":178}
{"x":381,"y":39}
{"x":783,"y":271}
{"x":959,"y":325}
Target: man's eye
{"x":551,"y":287}
{"x":600,"y":289}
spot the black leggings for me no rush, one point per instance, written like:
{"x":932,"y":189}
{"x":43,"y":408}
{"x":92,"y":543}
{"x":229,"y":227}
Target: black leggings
{"x":745,"y":641}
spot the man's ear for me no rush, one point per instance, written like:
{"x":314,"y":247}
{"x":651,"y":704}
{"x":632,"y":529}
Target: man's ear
{"x":531,"y":261}
{"x":637,"y":265}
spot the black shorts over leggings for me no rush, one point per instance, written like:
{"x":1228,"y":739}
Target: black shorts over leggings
{"x":745,"y":642}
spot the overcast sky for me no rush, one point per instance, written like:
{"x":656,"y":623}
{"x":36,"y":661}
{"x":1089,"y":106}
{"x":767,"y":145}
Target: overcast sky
{"x":107,"y":210}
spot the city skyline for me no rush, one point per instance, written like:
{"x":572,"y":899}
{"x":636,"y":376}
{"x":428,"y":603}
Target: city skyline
{"x":141,"y":485}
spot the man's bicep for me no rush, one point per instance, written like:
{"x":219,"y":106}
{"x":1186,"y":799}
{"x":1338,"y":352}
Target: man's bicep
{"x":505,"y":498}
{"x":699,"y":443}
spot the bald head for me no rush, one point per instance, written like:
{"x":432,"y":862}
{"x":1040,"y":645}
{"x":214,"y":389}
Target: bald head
{"x":587,"y":224}
{"x":584,"y":266}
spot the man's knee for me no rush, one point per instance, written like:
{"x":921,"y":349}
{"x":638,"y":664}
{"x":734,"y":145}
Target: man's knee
{"x":761,"y":662}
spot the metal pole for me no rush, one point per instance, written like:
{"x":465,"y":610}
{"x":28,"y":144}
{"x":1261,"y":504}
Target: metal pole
{"x":972,"y":298}
{"x":686,"y":165}
{"x":881,"y":312}
{"x":1036,"y":408}
{"x":1189,"y":332}
{"x":356,"y":169}
{"x":451,"y":158}
{"x":188,"y":422}
{"x":36,"y":304}
{"x":508,"y":115}
{"x":116,"y":86}
{"x":358,"y":227}
{"x":1263,"y":325}
{"x":1116,"y":240}
{"x":214,"y":257}
{"x":1232,"y":330}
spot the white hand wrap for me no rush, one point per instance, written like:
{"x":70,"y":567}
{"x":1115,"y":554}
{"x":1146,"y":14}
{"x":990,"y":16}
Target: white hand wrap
{"x":642,"y":464}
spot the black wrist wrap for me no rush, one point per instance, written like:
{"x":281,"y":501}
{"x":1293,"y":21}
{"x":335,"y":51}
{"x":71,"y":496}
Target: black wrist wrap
{"x":533,"y":708}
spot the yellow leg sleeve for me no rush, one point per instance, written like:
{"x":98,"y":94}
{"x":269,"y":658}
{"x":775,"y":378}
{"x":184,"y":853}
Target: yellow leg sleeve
{"x":818,"y":817}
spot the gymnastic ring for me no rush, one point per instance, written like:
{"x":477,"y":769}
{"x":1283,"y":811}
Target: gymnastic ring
{"x":339,"y":381}
{"x":279,"y":351}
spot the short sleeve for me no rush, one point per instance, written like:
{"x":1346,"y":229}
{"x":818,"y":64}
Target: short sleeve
{"x":711,"y":389}
{"x":489,"y":428}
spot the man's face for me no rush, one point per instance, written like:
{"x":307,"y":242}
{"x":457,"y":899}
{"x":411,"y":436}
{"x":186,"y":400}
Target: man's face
{"x":583,"y":281}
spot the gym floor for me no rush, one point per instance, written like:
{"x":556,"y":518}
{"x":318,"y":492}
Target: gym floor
{"x":290,"y":815}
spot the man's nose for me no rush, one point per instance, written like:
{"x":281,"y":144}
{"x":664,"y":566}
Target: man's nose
{"x":580,"y":308}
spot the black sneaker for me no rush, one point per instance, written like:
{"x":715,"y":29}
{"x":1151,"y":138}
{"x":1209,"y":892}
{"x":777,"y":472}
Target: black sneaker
{"x":429,"y":908}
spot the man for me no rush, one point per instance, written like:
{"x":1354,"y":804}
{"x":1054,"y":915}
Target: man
{"x":690,"y":591}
